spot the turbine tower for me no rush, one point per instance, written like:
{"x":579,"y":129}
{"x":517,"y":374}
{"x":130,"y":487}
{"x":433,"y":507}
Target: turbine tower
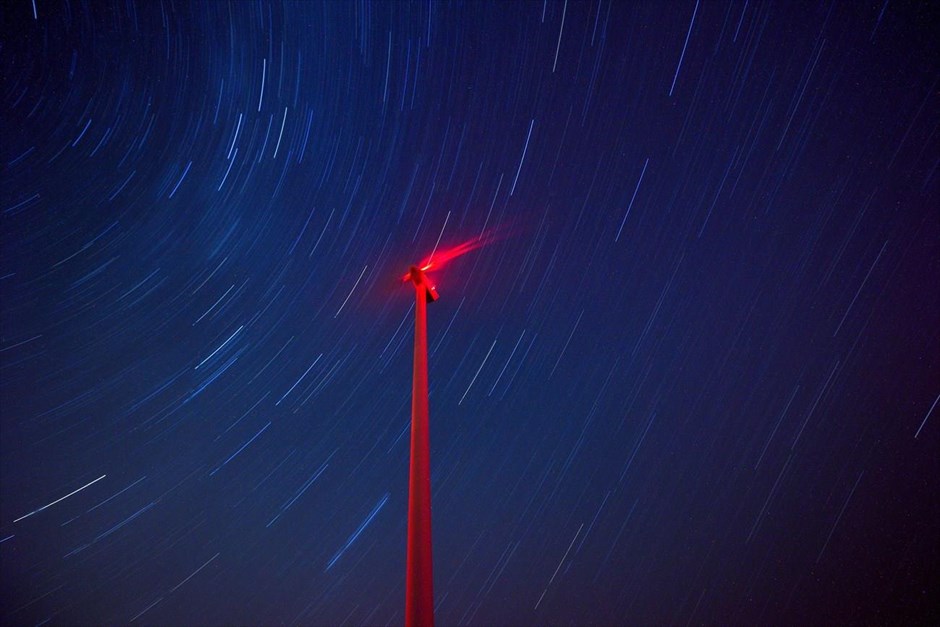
{"x":419,"y":588}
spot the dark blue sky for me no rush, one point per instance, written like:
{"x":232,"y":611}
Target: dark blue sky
{"x":691,"y":377}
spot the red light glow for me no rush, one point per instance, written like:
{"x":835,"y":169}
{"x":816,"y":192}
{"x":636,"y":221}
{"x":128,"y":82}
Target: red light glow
{"x":436,"y":260}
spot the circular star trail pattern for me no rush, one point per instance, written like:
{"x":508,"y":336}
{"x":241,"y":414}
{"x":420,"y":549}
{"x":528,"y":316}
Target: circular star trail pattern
{"x":687,"y":374}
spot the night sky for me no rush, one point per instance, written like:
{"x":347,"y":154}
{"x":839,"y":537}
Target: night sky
{"x":688,"y":374}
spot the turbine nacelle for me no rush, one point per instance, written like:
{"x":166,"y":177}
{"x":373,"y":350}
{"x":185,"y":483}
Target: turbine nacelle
{"x":420,"y":279}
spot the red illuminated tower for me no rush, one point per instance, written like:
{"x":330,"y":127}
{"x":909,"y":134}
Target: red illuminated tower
{"x":419,"y":588}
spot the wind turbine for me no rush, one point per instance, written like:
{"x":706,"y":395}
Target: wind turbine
{"x":419,"y":584}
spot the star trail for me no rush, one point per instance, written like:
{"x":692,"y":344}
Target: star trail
{"x":685,"y":364}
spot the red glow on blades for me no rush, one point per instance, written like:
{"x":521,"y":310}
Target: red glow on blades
{"x":439,"y":258}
